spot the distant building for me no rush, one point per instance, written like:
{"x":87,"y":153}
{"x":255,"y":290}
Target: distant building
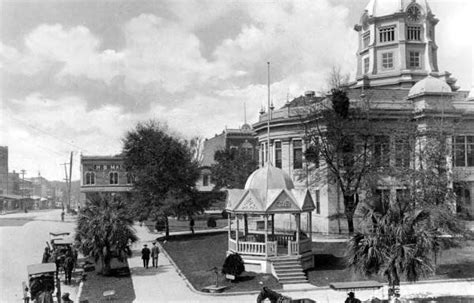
{"x":4,"y":169}
{"x":239,"y":139}
{"x":103,"y":174}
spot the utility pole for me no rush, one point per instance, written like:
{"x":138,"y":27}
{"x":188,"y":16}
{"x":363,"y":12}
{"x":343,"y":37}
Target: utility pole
{"x":23,"y":188}
{"x":69,"y":187}
{"x":67,"y":184}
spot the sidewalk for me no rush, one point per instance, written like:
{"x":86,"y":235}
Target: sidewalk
{"x":165,"y":284}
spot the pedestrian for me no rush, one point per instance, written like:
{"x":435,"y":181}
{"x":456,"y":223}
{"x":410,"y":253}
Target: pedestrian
{"x":68,"y":267}
{"x":145,"y":256}
{"x":191,"y":225}
{"x":62,"y":216}
{"x":155,"y":251}
{"x":351,"y":298}
{"x":46,"y":255}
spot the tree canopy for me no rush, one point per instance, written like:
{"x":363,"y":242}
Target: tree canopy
{"x":104,"y":228}
{"x":232,"y":168}
{"x":164,"y":169}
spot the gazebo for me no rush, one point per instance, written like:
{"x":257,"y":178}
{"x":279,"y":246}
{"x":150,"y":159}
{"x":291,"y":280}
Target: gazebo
{"x":270,"y":192}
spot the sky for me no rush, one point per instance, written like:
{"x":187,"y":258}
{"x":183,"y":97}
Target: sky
{"x":75,"y":76}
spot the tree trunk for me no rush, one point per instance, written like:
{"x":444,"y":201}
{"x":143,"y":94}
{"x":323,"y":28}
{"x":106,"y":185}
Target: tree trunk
{"x":106,"y":268}
{"x":350,"y":204}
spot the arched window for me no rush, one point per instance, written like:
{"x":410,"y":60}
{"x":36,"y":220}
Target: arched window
{"x":129,"y":178}
{"x":113,"y":178}
{"x":90,"y":178}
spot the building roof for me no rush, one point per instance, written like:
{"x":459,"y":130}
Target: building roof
{"x":429,"y":85}
{"x":269,"y":190}
{"x":40,"y":268}
{"x":210,"y":147}
{"x":380,"y":8}
{"x":107,"y":157}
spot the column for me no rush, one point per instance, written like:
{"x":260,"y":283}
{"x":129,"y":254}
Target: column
{"x":229,"y":227}
{"x":273,"y":227}
{"x":237,"y":232}
{"x":310,"y":226}
{"x":266,"y":235}
{"x":298,"y":229}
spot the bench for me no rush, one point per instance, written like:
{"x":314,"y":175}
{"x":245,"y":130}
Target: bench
{"x":109,"y":294}
{"x":358,"y":285}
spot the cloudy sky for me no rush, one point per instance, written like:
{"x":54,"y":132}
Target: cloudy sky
{"x":76,"y":75}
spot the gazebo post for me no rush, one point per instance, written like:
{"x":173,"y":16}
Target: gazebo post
{"x":237,"y":231}
{"x":310,"y":221}
{"x":298,"y":229}
{"x":246,"y":225}
{"x":229,"y":226}
{"x":266,"y":235}
{"x":273,"y":227}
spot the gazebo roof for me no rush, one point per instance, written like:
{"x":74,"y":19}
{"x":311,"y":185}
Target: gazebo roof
{"x":269,"y":190}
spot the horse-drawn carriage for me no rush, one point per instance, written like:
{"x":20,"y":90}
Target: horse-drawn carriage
{"x":43,"y":283}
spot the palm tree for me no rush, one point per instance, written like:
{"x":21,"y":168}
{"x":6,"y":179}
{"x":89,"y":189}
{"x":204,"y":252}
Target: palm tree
{"x":397,"y":244}
{"x":104,"y":229}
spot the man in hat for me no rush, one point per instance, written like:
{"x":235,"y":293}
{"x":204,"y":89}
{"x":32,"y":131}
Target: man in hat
{"x":155,"y":251}
{"x":145,"y":256}
{"x":351,"y":298}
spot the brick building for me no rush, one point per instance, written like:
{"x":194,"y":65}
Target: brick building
{"x":103,"y":174}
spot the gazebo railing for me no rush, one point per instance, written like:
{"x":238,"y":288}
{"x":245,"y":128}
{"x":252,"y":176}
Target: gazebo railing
{"x":295,"y":249}
{"x":254,"y":248}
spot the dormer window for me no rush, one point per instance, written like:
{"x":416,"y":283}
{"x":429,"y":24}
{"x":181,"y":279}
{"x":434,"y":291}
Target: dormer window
{"x":414,"y":33}
{"x":387,"y":33}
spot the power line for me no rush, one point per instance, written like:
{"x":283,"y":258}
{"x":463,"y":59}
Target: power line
{"x":45,"y":132}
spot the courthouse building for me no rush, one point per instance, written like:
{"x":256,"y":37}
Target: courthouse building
{"x":397,"y":77}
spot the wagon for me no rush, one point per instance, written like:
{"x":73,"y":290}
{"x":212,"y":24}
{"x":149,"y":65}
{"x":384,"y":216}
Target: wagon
{"x":43,"y":282}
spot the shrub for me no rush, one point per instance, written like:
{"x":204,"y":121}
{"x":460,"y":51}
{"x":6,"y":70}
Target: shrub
{"x":233,"y":265}
{"x":211,"y":222}
{"x":160,"y":224}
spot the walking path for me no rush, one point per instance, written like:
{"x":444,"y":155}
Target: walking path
{"x":165,"y":284}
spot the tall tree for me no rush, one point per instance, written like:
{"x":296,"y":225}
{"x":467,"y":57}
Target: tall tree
{"x":232,"y":168}
{"x":165,"y":172}
{"x":104,"y":229}
{"x":343,"y":138}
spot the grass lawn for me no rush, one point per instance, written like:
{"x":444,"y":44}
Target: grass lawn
{"x":96,"y":284}
{"x":330,"y":265}
{"x":197,"y":255}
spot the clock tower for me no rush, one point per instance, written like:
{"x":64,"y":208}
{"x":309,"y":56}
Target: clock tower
{"x":397,"y":45}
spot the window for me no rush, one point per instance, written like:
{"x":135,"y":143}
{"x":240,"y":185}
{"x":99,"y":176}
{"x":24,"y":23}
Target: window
{"x":90,"y":178}
{"x":297,"y":154}
{"x":387,"y":60}
{"x":402,"y":153}
{"x":414,"y":33}
{"x":414,"y":60}
{"x":129,"y":178}
{"x":463,"y":151}
{"x":205,"y":180}
{"x":366,"y":65}
{"x":382,"y":151}
{"x":263,"y":154}
{"x":387,"y":33}
{"x":366,"y":40}
{"x":382,"y":200}
{"x":113,"y":178}
{"x":318,"y":202}
{"x":278,"y":154}
{"x":403,"y":197}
